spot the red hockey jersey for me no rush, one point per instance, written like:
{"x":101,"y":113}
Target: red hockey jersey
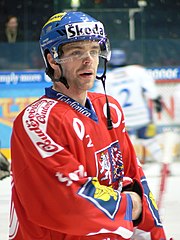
{"x":68,"y":171}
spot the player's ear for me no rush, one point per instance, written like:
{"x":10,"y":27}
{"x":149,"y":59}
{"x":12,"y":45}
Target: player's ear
{"x":51,"y":61}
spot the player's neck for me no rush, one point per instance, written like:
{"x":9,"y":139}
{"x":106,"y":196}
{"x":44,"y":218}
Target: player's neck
{"x":76,"y":94}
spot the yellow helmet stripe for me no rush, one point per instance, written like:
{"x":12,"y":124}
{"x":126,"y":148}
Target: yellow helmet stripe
{"x":56,"y":17}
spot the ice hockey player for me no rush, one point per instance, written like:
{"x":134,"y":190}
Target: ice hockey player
{"x":75,"y":172}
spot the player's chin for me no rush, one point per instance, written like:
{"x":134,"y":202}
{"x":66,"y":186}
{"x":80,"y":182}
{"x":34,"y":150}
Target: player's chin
{"x":88,"y":79}
{"x":86,"y":85}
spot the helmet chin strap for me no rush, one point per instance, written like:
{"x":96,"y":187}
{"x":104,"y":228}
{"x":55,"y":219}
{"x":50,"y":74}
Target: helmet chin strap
{"x":103,"y":79}
{"x":61,"y":79}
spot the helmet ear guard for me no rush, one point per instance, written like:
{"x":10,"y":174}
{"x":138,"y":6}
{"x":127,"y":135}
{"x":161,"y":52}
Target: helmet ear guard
{"x":105,"y":50}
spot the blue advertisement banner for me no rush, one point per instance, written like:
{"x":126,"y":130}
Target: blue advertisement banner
{"x":166,"y":73}
{"x":23,"y":77}
{"x":17,"y":90}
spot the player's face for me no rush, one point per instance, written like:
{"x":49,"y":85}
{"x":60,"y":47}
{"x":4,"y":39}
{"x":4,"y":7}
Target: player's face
{"x":79,"y":63}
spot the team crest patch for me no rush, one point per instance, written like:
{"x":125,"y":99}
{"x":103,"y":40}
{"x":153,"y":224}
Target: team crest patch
{"x":109,"y":164}
{"x":104,"y":198}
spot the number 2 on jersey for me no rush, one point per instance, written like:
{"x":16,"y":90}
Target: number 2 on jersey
{"x":126,"y":93}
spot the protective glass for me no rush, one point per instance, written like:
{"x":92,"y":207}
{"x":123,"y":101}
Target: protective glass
{"x":77,"y":51}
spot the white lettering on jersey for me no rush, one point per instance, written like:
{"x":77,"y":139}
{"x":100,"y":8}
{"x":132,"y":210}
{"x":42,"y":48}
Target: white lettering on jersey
{"x":119,"y":115}
{"x":80,"y":131}
{"x":62,"y":179}
{"x":35,"y":121}
{"x":78,"y":127}
{"x":80,"y":173}
{"x":74,"y":176}
{"x":90,"y":144}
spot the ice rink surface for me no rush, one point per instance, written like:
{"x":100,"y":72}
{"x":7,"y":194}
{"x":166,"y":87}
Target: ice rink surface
{"x":170,"y":212}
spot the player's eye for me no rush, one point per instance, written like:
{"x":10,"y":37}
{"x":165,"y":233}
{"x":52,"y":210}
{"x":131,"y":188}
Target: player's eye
{"x":94,"y":53}
{"x":76,"y":53}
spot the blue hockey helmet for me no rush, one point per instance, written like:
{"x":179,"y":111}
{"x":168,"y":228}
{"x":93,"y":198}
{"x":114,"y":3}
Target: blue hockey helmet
{"x":118,"y":58}
{"x":69,"y":27}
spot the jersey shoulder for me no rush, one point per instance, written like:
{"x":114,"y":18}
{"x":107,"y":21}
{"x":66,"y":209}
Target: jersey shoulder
{"x":100,"y":99}
{"x":94,"y":95}
{"x":41,"y":107}
{"x":99,"y":96}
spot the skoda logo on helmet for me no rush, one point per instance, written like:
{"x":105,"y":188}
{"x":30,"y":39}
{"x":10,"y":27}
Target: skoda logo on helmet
{"x":84,"y":29}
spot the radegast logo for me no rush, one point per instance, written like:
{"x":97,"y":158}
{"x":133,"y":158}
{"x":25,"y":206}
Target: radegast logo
{"x":84,"y":29}
{"x":35,"y":120}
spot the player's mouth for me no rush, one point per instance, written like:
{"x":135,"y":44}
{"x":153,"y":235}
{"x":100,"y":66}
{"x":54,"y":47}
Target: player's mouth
{"x":86,"y":74}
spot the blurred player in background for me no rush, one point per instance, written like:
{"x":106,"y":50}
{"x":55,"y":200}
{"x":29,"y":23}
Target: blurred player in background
{"x":72,"y":160}
{"x":133,"y":87}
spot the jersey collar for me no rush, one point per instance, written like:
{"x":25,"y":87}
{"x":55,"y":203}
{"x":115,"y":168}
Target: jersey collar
{"x":87,"y":110}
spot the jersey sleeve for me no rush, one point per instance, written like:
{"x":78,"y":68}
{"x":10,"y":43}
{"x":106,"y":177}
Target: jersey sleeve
{"x":149,"y":223}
